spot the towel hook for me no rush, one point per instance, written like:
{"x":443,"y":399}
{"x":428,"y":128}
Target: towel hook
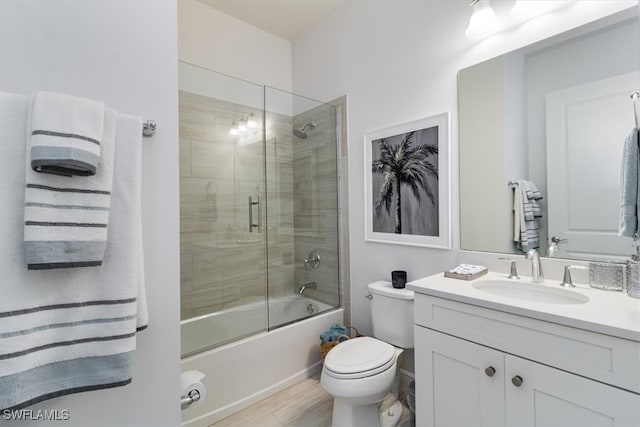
{"x":149,"y":128}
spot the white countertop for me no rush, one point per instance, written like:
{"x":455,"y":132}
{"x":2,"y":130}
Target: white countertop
{"x":607,"y":312}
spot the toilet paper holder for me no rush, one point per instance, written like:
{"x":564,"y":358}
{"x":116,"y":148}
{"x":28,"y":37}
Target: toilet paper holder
{"x":192,"y":389}
{"x":192,"y":397}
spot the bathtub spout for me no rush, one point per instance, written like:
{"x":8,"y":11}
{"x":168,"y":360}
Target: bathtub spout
{"x":310,"y":285}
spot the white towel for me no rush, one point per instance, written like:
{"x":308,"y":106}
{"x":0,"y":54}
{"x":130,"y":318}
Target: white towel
{"x":66,"y":218}
{"x":629,"y":187}
{"x":468,"y":269}
{"x":66,"y":134}
{"x":68,"y":330}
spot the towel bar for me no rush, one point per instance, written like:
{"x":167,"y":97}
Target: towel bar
{"x":634,"y":99}
{"x":149,"y":128}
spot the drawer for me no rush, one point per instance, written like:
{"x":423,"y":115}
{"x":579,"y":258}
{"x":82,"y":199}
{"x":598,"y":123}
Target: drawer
{"x":608,"y":359}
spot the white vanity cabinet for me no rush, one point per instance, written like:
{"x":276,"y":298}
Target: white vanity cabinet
{"x":482,"y":367}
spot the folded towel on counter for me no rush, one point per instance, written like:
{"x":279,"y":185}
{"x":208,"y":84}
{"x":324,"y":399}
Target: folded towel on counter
{"x":72,"y":330}
{"x":468,"y":269}
{"x":66,"y":218}
{"x":629,"y":187}
{"x":66,"y":134}
{"x":334,"y":333}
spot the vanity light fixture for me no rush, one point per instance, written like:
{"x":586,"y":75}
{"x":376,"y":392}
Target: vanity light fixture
{"x":526,"y":9}
{"x":234,"y":130}
{"x":251,"y":122}
{"x":243,"y":125}
{"x":483,"y":21}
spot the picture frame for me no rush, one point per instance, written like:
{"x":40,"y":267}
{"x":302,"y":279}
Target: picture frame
{"x":414,"y":158}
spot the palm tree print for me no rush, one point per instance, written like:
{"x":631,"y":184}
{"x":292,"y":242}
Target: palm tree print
{"x":404,"y":165}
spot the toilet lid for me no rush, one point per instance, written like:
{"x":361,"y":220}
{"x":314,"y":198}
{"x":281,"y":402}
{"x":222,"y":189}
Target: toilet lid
{"x":358,"y":357}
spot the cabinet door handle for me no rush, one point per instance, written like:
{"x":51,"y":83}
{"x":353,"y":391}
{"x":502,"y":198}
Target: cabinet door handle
{"x":517,"y":381}
{"x":490,"y":371}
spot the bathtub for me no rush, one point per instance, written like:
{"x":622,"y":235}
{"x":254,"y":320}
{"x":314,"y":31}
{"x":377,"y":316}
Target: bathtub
{"x":247,"y":370}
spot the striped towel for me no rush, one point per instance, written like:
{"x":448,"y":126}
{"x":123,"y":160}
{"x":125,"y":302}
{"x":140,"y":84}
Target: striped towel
{"x":526,"y":210}
{"x":66,"y":218}
{"x":66,"y":134}
{"x":71,"y":330}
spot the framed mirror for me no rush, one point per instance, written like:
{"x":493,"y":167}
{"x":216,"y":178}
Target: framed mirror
{"x":555,"y":114}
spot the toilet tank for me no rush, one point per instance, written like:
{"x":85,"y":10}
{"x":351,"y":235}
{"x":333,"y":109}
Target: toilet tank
{"x":392,"y":314}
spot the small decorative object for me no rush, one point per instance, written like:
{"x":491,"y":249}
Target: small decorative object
{"x":466,"y":272}
{"x":633,"y":277}
{"x":606,"y":275}
{"x":398,"y":279}
{"x":407,"y":184}
{"x":325,"y":347}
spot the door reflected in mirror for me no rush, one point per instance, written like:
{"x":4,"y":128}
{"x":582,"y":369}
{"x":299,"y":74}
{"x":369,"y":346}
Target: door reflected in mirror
{"x":555,"y":113}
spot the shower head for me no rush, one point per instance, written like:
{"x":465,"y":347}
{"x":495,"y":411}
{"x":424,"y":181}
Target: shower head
{"x":300,"y":133}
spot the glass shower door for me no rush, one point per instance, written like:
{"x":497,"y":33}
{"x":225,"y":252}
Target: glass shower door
{"x":302,"y":206}
{"x":222,"y":207}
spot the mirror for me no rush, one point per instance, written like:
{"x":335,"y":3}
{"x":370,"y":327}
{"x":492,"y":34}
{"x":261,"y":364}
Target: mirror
{"x":555,"y":113}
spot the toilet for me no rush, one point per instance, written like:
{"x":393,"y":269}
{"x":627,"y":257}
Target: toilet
{"x":361,"y":372}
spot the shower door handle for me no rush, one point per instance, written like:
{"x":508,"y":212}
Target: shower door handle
{"x":253,"y":203}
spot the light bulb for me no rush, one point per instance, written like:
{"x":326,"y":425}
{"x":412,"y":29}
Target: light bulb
{"x":251,"y":122}
{"x":242,"y":126}
{"x":483,"y":21}
{"x":233,"y":131}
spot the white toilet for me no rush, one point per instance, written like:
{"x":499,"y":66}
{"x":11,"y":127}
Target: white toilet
{"x":360,"y":372}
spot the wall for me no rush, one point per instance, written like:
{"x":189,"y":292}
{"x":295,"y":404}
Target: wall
{"x":398,"y":61}
{"x":125,"y":54}
{"x":485,"y":139}
{"x":222,"y":43}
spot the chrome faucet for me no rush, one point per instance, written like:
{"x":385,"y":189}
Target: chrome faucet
{"x":536,"y":266}
{"x":310,"y":285}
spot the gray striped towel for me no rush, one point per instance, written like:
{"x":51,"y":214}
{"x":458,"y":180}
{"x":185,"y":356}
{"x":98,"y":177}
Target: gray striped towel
{"x":66,"y":134}
{"x":66,"y":218}
{"x":526,"y":213}
{"x":72,"y":330}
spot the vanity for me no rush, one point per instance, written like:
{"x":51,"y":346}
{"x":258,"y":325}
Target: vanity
{"x":496,"y":351}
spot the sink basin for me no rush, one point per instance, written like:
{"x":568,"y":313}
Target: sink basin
{"x":530,"y":292}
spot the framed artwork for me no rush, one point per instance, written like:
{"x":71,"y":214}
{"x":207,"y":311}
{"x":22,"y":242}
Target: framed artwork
{"x":407,"y":200}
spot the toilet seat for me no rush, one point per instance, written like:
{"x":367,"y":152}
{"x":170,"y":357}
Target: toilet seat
{"x":359,"y":358}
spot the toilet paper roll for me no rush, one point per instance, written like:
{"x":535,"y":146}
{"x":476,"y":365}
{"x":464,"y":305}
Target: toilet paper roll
{"x":192,"y":380}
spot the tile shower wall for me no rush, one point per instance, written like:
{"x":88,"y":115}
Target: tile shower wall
{"x":222,"y":264}
{"x":315,"y":194}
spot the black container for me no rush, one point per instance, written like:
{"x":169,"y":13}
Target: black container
{"x":398,"y":279}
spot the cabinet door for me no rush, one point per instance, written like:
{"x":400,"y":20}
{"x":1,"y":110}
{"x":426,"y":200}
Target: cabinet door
{"x":452,"y":387}
{"x":550,"y":397}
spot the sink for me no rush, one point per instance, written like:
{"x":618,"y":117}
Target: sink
{"x":530,"y":292}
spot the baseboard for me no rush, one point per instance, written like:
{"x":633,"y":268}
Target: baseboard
{"x":239,"y":405}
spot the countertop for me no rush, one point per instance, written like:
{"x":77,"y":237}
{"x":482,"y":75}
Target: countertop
{"x":608,"y":312}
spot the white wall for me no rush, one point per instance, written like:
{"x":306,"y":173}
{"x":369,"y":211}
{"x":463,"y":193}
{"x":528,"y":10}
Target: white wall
{"x":220,"y":42}
{"x":397,"y":61}
{"x":125,"y":54}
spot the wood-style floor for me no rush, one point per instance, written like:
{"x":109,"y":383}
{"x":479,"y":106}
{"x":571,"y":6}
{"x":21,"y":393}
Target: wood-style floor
{"x":304,"y":404}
